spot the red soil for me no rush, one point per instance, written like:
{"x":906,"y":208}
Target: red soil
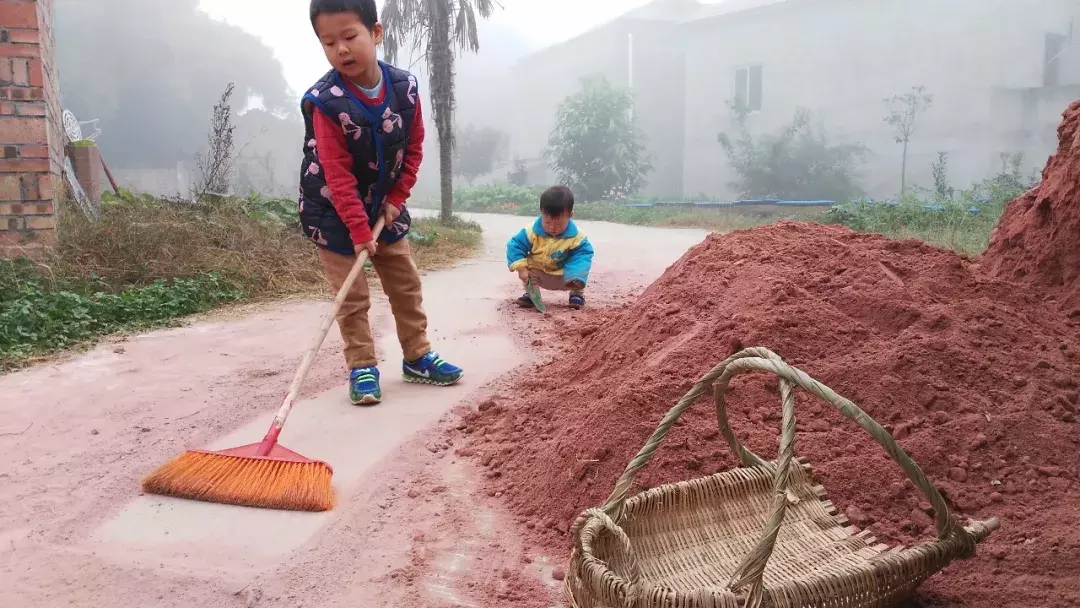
{"x":974,"y":377}
{"x":1037,"y":240}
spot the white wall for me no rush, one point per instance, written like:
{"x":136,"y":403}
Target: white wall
{"x":841,"y":58}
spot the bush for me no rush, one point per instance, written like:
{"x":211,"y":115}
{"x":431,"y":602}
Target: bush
{"x":595,"y":146}
{"x":797,"y":163}
{"x":252,"y":242}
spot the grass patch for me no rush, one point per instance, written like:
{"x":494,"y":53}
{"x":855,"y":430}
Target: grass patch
{"x":438,"y":245}
{"x":149,"y":262}
{"x":961,"y":226}
{"x":961,"y":220}
{"x":525,"y":201}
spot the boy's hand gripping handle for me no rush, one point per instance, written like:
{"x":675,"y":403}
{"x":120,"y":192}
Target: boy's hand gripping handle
{"x":270,"y":440}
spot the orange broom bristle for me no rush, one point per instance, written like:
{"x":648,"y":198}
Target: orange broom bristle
{"x":249,"y":482}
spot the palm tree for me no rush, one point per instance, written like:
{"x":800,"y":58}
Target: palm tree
{"x":438,"y":29}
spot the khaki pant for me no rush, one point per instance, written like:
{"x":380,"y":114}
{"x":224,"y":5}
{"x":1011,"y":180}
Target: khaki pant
{"x":401,"y":283}
{"x":551,"y":282}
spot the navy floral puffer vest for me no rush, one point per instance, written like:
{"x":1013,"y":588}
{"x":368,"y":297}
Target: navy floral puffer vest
{"x":376,"y":136}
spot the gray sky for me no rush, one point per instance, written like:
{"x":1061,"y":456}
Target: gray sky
{"x":285,"y":27}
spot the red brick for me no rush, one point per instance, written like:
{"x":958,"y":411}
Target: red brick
{"x":20,"y":70}
{"x":30,"y":51}
{"x":19,"y":14}
{"x":30,"y":108}
{"x":45,"y":186}
{"x":37,"y":75}
{"x":29,"y":186}
{"x":25,"y":94}
{"x":11,"y":209}
{"x":34,"y":152}
{"x":10,"y":189}
{"x":23,"y":36}
{"x":41,"y":222}
{"x":24,"y":165}
{"x":23,"y":130}
{"x":5,"y":71}
{"x":12,"y":223}
{"x":7,"y":109}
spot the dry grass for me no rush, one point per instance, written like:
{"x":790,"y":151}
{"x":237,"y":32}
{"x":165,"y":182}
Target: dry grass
{"x":458,"y":241}
{"x":150,"y":263}
{"x":139,"y":241}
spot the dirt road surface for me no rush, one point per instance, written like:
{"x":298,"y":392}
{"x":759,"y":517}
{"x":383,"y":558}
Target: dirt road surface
{"x":410,"y":530}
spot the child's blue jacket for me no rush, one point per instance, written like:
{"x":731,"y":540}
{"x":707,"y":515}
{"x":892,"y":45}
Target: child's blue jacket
{"x":568,"y":255}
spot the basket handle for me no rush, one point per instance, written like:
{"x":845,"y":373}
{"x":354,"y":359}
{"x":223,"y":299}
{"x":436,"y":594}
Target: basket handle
{"x":589,"y":525}
{"x":750,"y":572}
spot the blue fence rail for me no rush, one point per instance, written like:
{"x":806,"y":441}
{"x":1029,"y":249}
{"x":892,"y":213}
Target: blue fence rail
{"x":778,"y":203}
{"x":728,"y":204}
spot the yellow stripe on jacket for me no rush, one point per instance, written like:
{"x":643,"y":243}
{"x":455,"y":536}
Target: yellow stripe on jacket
{"x":569,"y":254}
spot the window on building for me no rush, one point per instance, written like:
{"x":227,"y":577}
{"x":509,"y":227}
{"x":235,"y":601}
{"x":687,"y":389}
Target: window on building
{"x":1055,"y":45}
{"x":748,"y":87}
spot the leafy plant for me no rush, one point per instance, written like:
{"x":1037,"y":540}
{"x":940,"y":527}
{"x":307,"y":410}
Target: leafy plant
{"x":940,"y":170}
{"x":903,"y":117}
{"x":962,"y":221}
{"x":798,"y":162}
{"x":519,"y":174}
{"x":476,"y":150}
{"x":39,"y":316}
{"x":595,"y":147}
{"x":436,"y":29}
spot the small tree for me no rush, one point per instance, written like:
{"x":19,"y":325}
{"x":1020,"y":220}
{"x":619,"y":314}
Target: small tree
{"x":216,"y":164}
{"x":940,"y":169}
{"x":795,"y":163}
{"x":903,"y":117}
{"x":595,"y":147}
{"x":476,"y":150}
{"x":519,"y":175}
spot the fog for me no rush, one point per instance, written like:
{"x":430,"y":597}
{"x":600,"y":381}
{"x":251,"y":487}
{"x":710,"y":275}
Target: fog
{"x":731,"y":99}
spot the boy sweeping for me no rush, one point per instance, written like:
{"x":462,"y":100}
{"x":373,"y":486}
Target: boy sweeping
{"x":552,"y":252}
{"x":363,"y":145}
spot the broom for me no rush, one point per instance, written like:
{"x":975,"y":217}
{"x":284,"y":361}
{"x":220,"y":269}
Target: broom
{"x":262,"y":474}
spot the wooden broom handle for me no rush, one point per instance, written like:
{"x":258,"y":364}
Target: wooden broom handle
{"x":270,"y":440}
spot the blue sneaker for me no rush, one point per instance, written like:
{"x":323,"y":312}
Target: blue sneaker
{"x":364,"y":386}
{"x":577,"y":301}
{"x":431,"y":369}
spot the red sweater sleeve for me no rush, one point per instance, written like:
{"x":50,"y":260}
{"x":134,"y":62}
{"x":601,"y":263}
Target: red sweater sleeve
{"x":414,"y":155}
{"x":337,"y":170}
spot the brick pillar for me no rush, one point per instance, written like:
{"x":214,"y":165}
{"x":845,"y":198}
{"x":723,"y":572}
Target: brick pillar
{"x":31,"y":128}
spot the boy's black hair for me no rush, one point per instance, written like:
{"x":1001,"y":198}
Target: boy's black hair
{"x":556,"y":201}
{"x":364,"y":9}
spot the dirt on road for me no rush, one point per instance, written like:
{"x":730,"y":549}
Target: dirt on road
{"x":413,"y":527}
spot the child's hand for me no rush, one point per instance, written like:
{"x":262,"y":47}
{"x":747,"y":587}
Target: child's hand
{"x":391,"y":213}
{"x":523,"y":274}
{"x":368,"y":246}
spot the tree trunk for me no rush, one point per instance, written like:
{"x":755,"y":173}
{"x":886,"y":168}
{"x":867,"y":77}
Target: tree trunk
{"x":903,"y":171}
{"x":441,"y":63}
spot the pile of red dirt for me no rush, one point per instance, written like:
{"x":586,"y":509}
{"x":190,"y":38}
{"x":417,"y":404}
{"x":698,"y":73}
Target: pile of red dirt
{"x":1037,"y":240}
{"x":976,"y":378}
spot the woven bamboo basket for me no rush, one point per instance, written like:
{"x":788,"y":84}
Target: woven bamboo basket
{"x":758,"y":536}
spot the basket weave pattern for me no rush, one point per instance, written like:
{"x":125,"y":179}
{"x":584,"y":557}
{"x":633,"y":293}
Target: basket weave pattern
{"x":760,"y":535}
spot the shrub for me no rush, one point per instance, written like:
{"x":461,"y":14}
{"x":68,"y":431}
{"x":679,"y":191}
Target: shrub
{"x":796,"y":163}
